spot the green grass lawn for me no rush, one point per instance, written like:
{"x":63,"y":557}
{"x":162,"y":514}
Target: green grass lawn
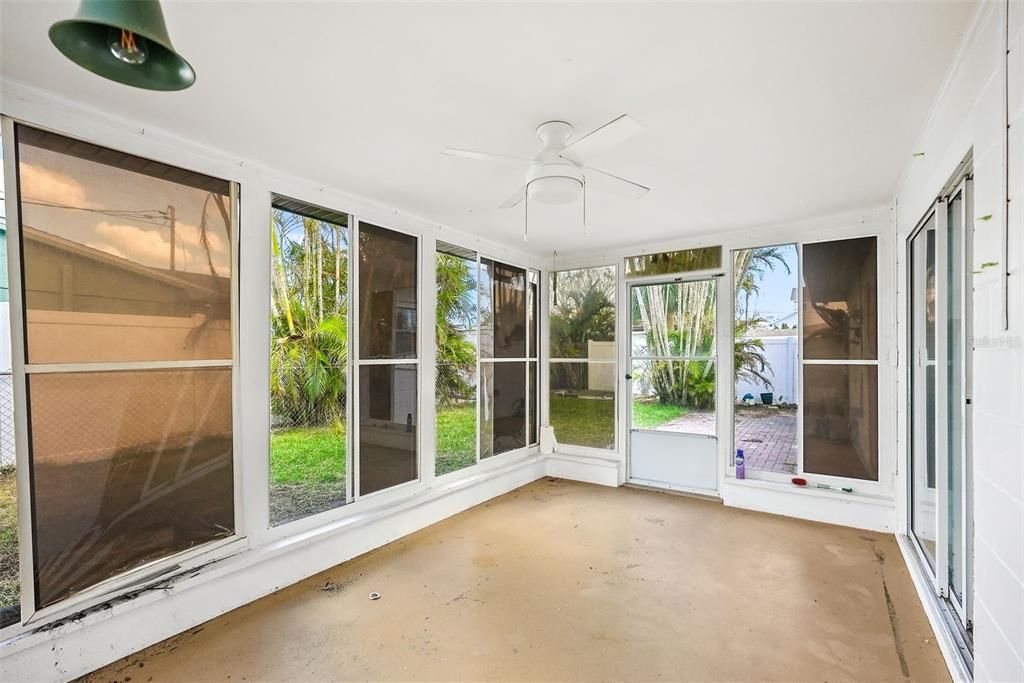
{"x":316,"y":455}
{"x":308,"y":455}
{"x":10,"y":589}
{"x":456,"y":439}
{"x":582,"y":421}
{"x":651,"y":415}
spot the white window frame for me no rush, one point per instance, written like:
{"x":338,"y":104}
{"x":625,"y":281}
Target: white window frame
{"x":546,"y":315}
{"x":779,"y":477}
{"x":147,"y":572}
{"x":322,"y":516}
{"x":939,"y":573}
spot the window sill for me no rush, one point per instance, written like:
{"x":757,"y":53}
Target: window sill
{"x":882,"y":499}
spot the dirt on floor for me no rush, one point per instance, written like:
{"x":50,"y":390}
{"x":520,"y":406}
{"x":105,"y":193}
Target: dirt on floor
{"x":560,"y":580}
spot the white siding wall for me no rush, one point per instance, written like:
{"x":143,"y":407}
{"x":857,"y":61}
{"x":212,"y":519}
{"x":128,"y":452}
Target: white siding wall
{"x":969,"y":115}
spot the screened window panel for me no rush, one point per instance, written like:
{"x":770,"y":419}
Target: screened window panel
{"x":127,"y":467}
{"x":840,"y":300}
{"x":581,"y":312}
{"x":665,"y":263}
{"x":841,"y":420}
{"x":309,"y":340}
{"x":125,"y":259}
{"x":509,"y":403}
{"x":387,"y":426}
{"x":387,"y":293}
{"x":581,"y":404}
{"x":509,"y":310}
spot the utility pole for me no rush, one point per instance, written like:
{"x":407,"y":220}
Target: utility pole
{"x":171,"y":219}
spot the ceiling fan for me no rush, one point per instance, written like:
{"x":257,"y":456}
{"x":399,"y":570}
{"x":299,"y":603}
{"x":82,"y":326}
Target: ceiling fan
{"x":557,"y":174}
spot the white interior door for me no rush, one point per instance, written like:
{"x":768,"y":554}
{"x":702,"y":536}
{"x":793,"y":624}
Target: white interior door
{"x":673,"y":440}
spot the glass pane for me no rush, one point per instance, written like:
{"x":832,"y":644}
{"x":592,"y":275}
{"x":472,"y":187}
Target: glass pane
{"x":531,"y":393}
{"x":582,"y":404}
{"x":456,"y":418}
{"x":308,"y":365}
{"x":841,"y":420}
{"x":127,"y":467}
{"x":124,"y":259}
{"x":456,"y":338}
{"x":387,"y":426}
{"x":674,"y":396}
{"x":486,"y":290}
{"x":955,"y":396}
{"x":509,"y":304}
{"x":533,"y":322}
{"x":766,"y":355}
{"x":840,"y":300}
{"x":924,"y":513}
{"x":581,"y":312}
{"x":509,"y":406}
{"x":665,"y":263}
{"x":486,"y":398}
{"x":10,"y":580}
{"x":673,"y":320}
{"x":387,"y":293}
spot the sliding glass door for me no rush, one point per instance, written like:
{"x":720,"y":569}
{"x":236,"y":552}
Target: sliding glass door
{"x":940,"y":458}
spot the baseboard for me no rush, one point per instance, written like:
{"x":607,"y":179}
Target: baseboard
{"x":587,"y":468}
{"x":78,"y":646}
{"x":857,"y":511}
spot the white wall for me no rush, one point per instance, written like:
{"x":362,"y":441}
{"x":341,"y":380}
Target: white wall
{"x":969,"y":115}
{"x":781,"y":355}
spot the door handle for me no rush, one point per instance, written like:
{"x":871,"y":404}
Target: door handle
{"x":628,"y":376}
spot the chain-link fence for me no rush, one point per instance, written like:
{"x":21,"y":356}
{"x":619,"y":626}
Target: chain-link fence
{"x":6,"y":420}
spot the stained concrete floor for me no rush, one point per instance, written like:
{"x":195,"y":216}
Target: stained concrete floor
{"x":562,"y":580}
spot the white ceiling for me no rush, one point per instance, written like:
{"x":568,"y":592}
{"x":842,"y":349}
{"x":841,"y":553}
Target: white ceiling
{"x":755,"y":113}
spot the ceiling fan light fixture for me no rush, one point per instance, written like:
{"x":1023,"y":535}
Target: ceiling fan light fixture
{"x":555,"y":190}
{"x":554,"y":182}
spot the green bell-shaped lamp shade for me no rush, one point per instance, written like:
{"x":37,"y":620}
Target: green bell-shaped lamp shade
{"x":125,"y":41}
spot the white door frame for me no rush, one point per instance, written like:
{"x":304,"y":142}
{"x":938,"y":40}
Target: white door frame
{"x":630,"y":284}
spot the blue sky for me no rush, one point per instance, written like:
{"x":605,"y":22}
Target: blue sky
{"x":773,"y":300}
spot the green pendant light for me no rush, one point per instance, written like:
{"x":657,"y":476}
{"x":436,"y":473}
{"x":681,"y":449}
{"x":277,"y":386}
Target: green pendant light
{"x":125,"y":41}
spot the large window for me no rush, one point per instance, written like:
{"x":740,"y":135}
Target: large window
{"x":308,"y":360}
{"x":582,"y":356}
{"x":839,"y":330}
{"x":766,"y":357}
{"x":388,"y":358}
{"x":127,"y":273}
{"x":456,"y":366}
{"x":507,"y":407}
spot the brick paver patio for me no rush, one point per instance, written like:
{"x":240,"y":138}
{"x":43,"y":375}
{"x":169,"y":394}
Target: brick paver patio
{"x":768,"y":441}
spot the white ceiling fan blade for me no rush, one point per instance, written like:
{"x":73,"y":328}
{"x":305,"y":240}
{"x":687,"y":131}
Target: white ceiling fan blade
{"x":614,"y":182}
{"x":607,"y":136}
{"x":514,"y":198}
{"x":484,"y":156}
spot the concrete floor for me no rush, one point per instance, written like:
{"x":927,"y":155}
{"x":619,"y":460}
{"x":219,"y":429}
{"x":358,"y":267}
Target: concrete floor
{"x":562,"y":580}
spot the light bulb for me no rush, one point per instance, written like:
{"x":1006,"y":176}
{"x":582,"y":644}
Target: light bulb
{"x":128,"y":47}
